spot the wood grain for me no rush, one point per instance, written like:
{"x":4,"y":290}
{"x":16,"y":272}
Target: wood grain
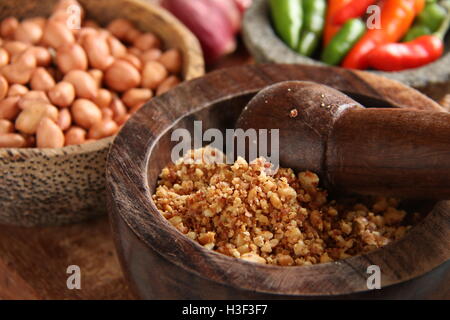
{"x":162,"y":263}
{"x":370,"y":151}
{"x":33,"y":262}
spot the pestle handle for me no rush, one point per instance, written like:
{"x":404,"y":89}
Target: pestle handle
{"x":384,"y":151}
{"x":400,"y":152}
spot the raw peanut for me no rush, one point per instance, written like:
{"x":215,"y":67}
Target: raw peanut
{"x":153,"y":74}
{"x":150,"y":55}
{"x":107,"y":113}
{"x":17,"y":90}
{"x":49,"y":135}
{"x":118,"y":108}
{"x":90,"y":24}
{"x":85,"y":113}
{"x":120,"y":27}
{"x":103,"y":99}
{"x":57,"y":34}
{"x":20,"y":72}
{"x":85,"y":86}
{"x":121,"y":120}
{"x":42,"y":55}
{"x":146,"y":41}
{"x":97,"y":50}
{"x":15,"y":47}
{"x":40,"y":21}
{"x":8,"y":27}
{"x":62,"y":94}
{"x":116,"y":47}
{"x":71,"y":57}
{"x":6,"y":126}
{"x":136,"y":96}
{"x":15,"y":73}
{"x":28,"y":32}
{"x":4,"y":86}
{"x":41,"y":80}
{"x":134,"y":60}
{"x":64,"y":119}
{"x":171,"y":59}
{"x":103,"y":129}
{"x":75,"y":135}
{"x":122,"y":75}
{"x":135,"y":51}
{"x":97,"y":75}
{"x":104,"y":33}
{"x":60,"y":17}
{"x":83,"y":33}
{"x":9,"y":108}
{"x":136,"y":108}
{"x":25,"y":58}
{"x":11,"y":140}
{"x":132,"y":35}
{"x":167,"y":84}
{"x":28,"y":120}
{"x":4,"y":57}
{"x":32,"y":97}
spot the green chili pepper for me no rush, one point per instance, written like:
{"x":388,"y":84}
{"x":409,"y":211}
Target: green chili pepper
{"x":287,"y":17}
{"x":343,"y":41}
{"x":432,"y":16}
{"x":415,"y":32}
{"x":313,"y":25}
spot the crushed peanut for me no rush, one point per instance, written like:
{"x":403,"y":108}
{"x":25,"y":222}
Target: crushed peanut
{"x":284,"y":219}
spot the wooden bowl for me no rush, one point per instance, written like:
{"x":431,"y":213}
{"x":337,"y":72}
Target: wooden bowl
{"x":67,"y":185}
{"x":162,"y":263}
{"x":265,"y":46}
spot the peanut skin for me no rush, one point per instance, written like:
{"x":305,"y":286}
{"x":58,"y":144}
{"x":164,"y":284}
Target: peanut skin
{"x":49,"y":135}
{"x":85,"y":113}
{"x":12,"y":140}
{"x":6,"y":126}
{"x":103,"y":129}
{"x":9,"y":108}
{"x":122,"y":76}
{"x":4,"y":87}
{"x":41,"y":80}
{"x":85,"y":86}
{"x":70,"y":57}
{"x":153,"y":75}
{"x":74,"y":136}
{"x":62,"y":94}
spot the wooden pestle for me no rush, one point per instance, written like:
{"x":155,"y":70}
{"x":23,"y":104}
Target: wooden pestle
{"x":383,"y":151}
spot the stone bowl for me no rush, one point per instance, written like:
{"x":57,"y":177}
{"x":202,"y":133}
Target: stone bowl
{"x":265,"y":46}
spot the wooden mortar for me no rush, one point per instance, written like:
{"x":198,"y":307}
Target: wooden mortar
{"x":162,"y":263}
{"x":67,"y":185}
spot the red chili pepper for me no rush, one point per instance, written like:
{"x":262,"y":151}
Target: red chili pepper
{"x":353,"y":9}
{"x":396,"y":18}
{"x":330,"y":27}
{"x":413,"y":54}
{"x":407,"y":55}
